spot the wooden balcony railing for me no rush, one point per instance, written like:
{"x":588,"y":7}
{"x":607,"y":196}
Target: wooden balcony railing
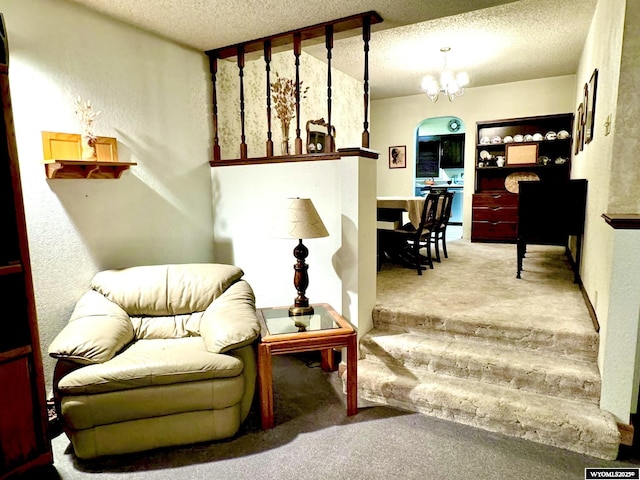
{"x":295,"y":38}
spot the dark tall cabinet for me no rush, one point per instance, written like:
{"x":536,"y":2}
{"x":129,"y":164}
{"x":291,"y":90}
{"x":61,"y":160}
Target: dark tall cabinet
{"x":24,"y":441}
{"x":532,"y":148}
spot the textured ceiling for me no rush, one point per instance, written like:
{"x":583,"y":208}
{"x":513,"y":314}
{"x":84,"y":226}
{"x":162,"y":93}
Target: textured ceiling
{"x":496,"y":41}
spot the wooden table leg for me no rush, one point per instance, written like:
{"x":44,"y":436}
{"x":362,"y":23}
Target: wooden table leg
{"x":265,"y":381}
{"x":328,"y":360}
{"x":352,"y":375}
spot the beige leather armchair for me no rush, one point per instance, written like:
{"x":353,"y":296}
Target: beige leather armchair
{"x":155,"y":356}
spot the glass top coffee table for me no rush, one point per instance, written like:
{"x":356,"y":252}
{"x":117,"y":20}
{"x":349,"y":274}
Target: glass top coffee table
{"x":324,"y":330}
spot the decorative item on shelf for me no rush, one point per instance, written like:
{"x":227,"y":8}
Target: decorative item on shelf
{"x":316,"y":139}
{"x":87,"y":116}
{"x":298,"y":218}
{"x":528,"y":138}
{"x":512,"y":182}
{"x":449,"y":83}
{"x":62,"y":157}
{"x":537,"y":137}
{"x":543,"y":160}
{"x":485,"y":141}
{"x":563,"y":135}
{"x":283,"y":92}
{"x":508,"y":139}
{"x":551,"y":136}
{"x":560,"y":161}
{"x":500,"y":161}
{"x":518,"y":138}
{"x":496,"y":140}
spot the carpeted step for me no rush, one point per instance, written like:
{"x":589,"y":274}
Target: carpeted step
{"x":573,"y":425}
{"x":499,"y":326}
{"x":467,"y":357}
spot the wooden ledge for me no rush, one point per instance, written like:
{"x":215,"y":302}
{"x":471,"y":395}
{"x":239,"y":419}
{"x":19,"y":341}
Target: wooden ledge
{"x":308,"y":157}
{"x":358,"y":152}
{"x":85,"y":169}
{"x":622,"y":221}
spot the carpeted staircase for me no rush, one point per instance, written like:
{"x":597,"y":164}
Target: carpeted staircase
{"x":498,"y":364}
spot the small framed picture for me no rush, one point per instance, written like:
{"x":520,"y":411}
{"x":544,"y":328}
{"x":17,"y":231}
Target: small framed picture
{"x":590,"y":107}
{"x":398,"y":157}
{"x":526,"y":154}
{"x":579,"y":136}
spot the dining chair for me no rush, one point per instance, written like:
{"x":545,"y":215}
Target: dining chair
{"x":409,"y":240}
{"x":439,"y":232}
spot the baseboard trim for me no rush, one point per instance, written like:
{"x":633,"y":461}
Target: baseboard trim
{"x":626,"y":434}
{"x":592,"y":311}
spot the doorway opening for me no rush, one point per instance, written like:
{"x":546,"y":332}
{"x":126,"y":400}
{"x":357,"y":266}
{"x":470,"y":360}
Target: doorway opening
{"x":440,"y":161}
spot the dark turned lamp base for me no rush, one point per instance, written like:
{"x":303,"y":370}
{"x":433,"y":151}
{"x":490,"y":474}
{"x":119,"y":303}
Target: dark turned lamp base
{"x":301,"y":282}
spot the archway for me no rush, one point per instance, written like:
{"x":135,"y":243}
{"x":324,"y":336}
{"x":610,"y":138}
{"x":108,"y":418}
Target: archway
{"x":440,"y":159}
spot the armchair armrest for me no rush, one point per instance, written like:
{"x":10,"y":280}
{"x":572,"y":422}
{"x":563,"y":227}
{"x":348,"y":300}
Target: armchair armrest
{"x":97,"y":330}
{"x":230,"y":321}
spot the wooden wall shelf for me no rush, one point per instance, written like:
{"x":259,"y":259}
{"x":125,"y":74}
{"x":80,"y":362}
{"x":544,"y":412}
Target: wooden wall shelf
{"x":85,"y":169}
{"x":63,"y":157}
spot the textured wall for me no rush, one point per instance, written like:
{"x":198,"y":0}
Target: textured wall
{"x":609,"y":162}
{"x":346,"y":108}
{"x":625,"y":175}
{"x":154,"y":99}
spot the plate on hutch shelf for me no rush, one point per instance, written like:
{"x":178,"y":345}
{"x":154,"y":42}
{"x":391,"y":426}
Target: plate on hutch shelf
{"x":511,"y":182}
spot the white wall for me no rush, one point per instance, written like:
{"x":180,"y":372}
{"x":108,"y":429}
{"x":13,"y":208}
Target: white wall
{"x":609,"y":162}
{"x":244,"y":197}
{"x":154,"y":98}
{"x":244,"y":201}
{"x":394,"y":122}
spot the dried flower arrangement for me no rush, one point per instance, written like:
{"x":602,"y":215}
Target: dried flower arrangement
{"x":283,"y":92}
{"x":87,"y":116}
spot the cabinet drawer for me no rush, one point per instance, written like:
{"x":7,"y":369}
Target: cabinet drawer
{"x":494,"y":231}
{"x":495,"y":214}
{"x":498,"y":199}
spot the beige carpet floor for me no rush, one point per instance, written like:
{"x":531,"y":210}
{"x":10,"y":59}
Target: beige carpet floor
{"x":478,"y":280}
{"x":467,"y":341}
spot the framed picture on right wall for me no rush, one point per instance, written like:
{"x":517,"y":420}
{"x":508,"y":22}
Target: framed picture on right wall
{"x":578,"y":138}
{"x":590,"y":107}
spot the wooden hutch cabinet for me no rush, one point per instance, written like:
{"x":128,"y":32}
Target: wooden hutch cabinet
{"x":531,"y":148}
{"x":24,"y":440}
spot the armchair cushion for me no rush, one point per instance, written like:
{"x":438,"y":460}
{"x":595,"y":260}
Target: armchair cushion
{"x":166,"y":289}
{"x":230,"y":322}
{"x":149,"y":363}
{"x":97,"y":330}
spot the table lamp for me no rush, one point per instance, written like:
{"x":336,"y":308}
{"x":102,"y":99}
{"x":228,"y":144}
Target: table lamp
{"x":299,"y":219}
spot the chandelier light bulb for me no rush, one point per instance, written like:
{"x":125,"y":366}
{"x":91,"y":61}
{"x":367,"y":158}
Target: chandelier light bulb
{"x":451,"y":84}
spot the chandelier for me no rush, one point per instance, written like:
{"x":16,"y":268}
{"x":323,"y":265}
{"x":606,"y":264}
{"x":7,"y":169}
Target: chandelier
{"x":451,"y":84}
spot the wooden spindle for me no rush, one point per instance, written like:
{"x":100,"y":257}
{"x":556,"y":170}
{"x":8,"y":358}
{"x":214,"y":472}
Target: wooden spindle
{"x":213,"y":67}
{"x":330,"y":145}
{"x":366,"y":36}
{"x":243,"y":144}
{"x":297,"y":50}
{"x":267,"y":61}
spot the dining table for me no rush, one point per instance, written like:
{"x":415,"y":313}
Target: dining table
{"x":390,"y":216}
{"x":391,"y":209}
